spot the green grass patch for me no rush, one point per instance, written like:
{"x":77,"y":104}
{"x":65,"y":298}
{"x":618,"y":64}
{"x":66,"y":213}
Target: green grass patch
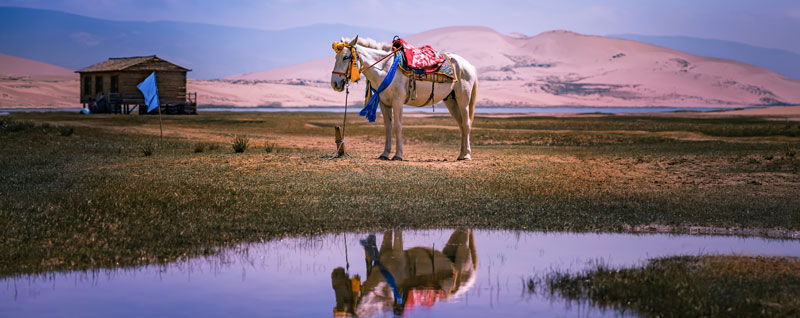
{"x":689,"y":286}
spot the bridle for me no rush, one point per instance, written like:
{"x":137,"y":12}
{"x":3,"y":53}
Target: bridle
{"x":353,"y":72}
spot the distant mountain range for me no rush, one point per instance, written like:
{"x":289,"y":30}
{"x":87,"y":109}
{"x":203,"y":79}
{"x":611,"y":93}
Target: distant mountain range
{"x":783,"y":62}
{"x":211,"y":51}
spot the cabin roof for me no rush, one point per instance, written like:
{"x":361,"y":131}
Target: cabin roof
{"x":123,"y":63}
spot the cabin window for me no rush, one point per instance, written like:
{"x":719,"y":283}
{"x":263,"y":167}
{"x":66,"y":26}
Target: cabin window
{"x":87,"y":85}
{"x":115,"y":84}
{"x":98,"y":84}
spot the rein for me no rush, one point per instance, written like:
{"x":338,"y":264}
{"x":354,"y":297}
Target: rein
{"x":381,"y":59}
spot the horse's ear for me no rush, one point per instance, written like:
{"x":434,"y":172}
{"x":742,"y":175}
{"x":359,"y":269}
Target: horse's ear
{"x":354,"y":41}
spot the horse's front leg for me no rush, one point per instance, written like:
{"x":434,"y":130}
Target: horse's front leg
{"x":387,"y":125}
{"x":397,"y":111}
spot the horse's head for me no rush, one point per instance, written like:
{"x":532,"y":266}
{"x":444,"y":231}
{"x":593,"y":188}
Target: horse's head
{"x":346,"y":290}
{"x":346,"y":67}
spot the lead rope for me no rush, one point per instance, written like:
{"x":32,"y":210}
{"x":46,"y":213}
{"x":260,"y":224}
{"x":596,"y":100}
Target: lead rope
{"x":346,"y":95}
{"x":344,"y":122}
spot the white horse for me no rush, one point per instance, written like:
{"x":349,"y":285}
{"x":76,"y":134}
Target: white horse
{"x":458,"y":96}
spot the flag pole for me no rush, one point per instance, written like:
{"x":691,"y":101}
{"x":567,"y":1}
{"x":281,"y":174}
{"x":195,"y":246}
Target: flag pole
{"x":149,"y":90}
{"x":160,"y":125}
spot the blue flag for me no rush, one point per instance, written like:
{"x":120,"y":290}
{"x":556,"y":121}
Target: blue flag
{"x":150,"y":91}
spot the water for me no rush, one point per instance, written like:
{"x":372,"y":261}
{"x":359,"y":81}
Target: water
{"x":293,"y":277}
{"x":6,"y":111}
{"x":440,"y":109}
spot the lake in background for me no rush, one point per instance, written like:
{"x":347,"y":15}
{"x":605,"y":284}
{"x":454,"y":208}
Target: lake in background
{"x":483,"y":110}
{"x":439,"y":109}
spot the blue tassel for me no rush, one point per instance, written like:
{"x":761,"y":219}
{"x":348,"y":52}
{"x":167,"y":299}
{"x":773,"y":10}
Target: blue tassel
{"x":372,"y":105}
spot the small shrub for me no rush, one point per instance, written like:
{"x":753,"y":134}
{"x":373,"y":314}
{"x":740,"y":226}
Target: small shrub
{"x":66,"y":130}
{"x":270,"y":147}
{"x":46,"y":125}
{"x":147,"y":150}
{"x":212,"y":147}
{"x":199,"y":147}
{"x":240,"y":143}
{"x":8,"y":124}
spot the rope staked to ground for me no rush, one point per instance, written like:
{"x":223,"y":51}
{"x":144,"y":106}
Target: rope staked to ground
{"x":340,"y":144}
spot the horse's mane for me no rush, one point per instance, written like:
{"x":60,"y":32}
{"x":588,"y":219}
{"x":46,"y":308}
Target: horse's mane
{"x":370,"y":43}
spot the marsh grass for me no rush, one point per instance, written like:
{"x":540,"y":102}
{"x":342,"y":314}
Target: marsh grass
{"x":270,"y":147}
{"x":147,"y":149}
{"x":688,"y":286}
{"x":199,"y":147}
{"x":66,"y":131}
{"x":240,"y":143}
{"x":9,"y":124}
{"x":91,"y":201}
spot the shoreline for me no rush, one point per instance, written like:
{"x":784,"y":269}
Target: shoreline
{"x":568,"y":109}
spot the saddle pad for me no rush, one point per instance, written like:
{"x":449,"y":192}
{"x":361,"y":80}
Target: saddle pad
{"x":444,"y":73}
{"x":424,"y":57}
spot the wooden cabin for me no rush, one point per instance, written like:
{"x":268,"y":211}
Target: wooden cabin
{"x":110,"y":86}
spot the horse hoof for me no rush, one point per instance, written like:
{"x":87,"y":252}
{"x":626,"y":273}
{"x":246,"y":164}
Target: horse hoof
{"x":396,"y":158}
{"x":465,"y":158}
{"x":382,"y":157}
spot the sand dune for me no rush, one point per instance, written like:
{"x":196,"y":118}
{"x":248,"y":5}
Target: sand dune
{"x":12,"y":65}
{"x":556,"y":68}
{"x":28,"y":83}
{"x":243,"y":93}
{"x":566,"y":68}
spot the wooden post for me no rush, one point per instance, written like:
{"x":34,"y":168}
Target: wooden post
{"x":340,"y":151}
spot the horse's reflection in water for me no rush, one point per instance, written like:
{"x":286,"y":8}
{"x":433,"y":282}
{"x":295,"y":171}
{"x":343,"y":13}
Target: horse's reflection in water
{"x":398,"y":279}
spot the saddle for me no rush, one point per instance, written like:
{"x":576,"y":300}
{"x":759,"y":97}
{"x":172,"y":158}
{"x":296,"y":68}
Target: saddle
{"x":424,"y":64}
{"x":420,"y":64}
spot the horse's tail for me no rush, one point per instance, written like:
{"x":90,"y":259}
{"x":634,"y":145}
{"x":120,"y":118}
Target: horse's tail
{"x":472,"y":100}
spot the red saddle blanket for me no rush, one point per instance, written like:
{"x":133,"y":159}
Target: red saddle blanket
{"x":424,"y":57}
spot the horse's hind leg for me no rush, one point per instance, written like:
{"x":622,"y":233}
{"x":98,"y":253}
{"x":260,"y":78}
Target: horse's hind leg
{"x":387,"y":126}
{"x":455,"y":111}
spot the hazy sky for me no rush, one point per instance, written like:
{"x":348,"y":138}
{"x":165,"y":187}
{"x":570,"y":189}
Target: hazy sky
{"x":769,"y":23}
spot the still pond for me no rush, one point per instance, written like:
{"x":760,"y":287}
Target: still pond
{"x":428,"y":273}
